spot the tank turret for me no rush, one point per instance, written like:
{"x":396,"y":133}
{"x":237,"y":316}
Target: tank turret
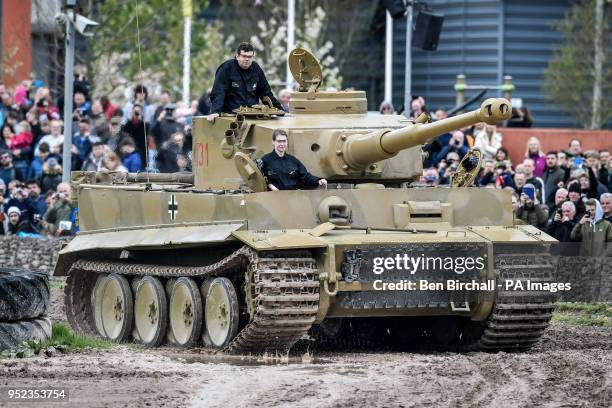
{"x":330,"y":132}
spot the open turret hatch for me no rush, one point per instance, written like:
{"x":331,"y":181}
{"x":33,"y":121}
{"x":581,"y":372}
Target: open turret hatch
{"x":307,"y":72}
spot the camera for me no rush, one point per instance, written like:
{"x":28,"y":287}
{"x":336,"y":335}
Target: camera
{"x":560,"y":212}
{"x":137,"y":114}
{"x":588,"y":214}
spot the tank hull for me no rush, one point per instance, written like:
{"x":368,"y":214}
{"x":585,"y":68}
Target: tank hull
{"x":368,"y":268}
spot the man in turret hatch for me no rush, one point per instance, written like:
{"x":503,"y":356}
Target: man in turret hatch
{"x":284,"y":171}
{"x":239,"y":82}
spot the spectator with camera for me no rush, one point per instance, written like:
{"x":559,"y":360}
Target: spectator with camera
{"x":553,"y":177}
{"x":503,"y":175}
{"x":606,"y":205}
{"x":141,"y":98}
{"x":529,"y":210}
{"x":563,"y":222}
{"x":138,"y":129}
{"x":574,"y":193}
{"x":487,"y":173}
{"x":20,"y":199}
{"x":56,"y":220}
{"x":593,"y":232}
{"x":455,"y":144}
{"x":590,"y":187}
{"x":561,"y":196}
{"x":84,"y":139}
{"x":602,"y":174}
{"x":166,"y":125}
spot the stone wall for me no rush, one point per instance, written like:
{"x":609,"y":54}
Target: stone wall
{"x":591,"y":278}
{"x":38,"y":254}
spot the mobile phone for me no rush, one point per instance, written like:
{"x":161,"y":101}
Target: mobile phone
{"x":529,"y":192}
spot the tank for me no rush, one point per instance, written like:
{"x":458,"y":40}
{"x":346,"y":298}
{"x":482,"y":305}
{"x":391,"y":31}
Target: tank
{"x":212,"y":259}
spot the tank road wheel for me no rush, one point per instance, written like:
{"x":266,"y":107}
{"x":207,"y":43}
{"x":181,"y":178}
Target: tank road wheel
{"x":220,"y":312}
{"x":96,"y":303}
{"x":150,"y":311}
{"x":117,"y":308}
{"x":185,"y":312}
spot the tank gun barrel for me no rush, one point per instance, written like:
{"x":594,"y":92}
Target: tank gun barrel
{"x":360,"y":151}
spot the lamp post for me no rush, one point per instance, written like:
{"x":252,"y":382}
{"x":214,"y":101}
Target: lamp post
{"x":86,"y":27}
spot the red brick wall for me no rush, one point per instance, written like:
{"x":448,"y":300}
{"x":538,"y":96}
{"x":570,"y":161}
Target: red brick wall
{"x":515,"y":139}
{"x":16,"y":41}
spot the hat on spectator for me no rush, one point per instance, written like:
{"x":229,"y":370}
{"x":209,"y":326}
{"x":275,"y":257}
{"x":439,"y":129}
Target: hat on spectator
{"x":591,"y":153}
{"x":38,"y":83}
{"x":115,"y":120}
{"x":52,"y":161}
{"x":13,"y":210}
{"x":574,"y":188}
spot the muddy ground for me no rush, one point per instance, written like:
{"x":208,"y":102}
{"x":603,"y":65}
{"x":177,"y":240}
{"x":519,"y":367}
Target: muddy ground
{"x":572,"y":366}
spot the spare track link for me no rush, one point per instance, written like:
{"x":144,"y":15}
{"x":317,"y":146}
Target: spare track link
{"x":519,"y":317}
{"x":285,"y":298}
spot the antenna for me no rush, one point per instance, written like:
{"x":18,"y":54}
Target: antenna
{"x":144,"y":122}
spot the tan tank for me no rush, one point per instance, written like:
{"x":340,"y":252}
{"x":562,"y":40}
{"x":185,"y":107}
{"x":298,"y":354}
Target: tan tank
{"x":213,"y":259}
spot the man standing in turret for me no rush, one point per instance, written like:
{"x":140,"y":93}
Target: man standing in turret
{"x":239,"y":82}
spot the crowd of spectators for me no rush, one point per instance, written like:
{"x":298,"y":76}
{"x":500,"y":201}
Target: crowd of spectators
{"x":145,"y":134}
{"x":564,"y":192}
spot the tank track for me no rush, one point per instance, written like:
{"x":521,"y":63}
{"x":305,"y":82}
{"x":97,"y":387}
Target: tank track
{"x":283,"y":294}
{"x":519,"y":317}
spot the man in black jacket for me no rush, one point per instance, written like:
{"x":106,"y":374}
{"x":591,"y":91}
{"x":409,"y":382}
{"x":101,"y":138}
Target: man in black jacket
{"x":561,"y":227}
{"x":553,"y":176}
{"x":239,"y":82}
{"x":284,"y":171}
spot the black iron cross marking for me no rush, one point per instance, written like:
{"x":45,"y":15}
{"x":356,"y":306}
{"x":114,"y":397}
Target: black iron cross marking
{"x":172,"y":207}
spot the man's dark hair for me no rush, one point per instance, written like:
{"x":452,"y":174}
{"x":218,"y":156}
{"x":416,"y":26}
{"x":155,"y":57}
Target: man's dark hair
{"x":85,"y":120}
{"x":603,"y":151}
{"x":245,"y":46}
{"x":43,"y":147}
{"x":98,"y":143}
{"x":591,"y":201}
{"x":33,"y":181}
{"x":141,"y":89}
{"x":167,"y":92}
{"x":551,"y":152}
{"x":278,"y":132}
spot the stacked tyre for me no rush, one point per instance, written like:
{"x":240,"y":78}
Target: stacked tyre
{"x":24,"y":300}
